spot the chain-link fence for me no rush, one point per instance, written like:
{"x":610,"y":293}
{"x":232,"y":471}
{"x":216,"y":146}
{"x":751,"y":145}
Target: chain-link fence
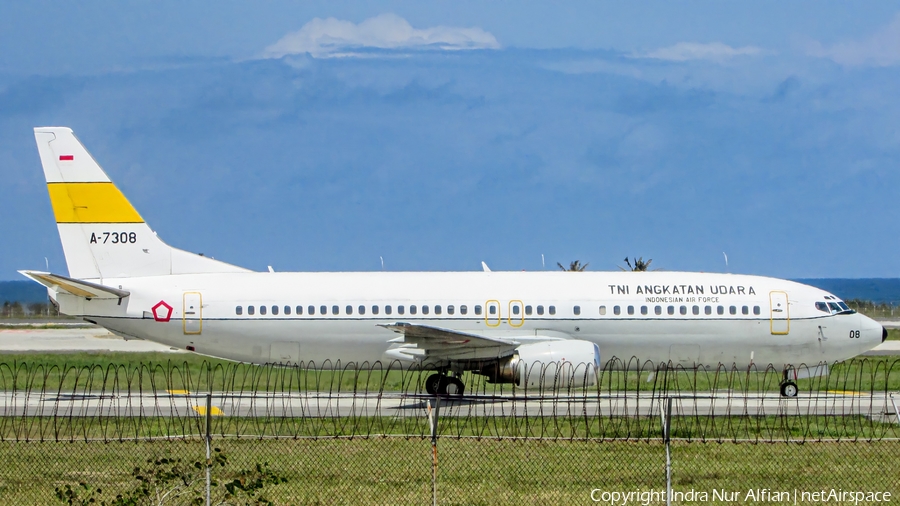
{"x":639,"y":433}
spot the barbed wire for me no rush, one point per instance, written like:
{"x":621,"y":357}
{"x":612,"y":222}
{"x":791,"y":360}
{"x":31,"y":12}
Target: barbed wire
{"x":620,"y":401}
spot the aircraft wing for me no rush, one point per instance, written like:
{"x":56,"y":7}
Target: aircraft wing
{"x":75,"y":287}
{"x":427,"y":343}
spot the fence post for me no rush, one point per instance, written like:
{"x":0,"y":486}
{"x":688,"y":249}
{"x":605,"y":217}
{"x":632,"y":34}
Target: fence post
{"x":433,"y":421}
{"x":208,"y":439}
{"x":667,"y":427}
{"x":897,"y":411}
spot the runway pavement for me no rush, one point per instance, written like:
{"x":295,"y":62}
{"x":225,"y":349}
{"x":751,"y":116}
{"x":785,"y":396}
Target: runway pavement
{"x":72,"y":338}
{"x":323,"y":405}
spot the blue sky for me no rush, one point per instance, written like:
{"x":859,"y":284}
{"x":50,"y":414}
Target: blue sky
{"x":325,"y":135}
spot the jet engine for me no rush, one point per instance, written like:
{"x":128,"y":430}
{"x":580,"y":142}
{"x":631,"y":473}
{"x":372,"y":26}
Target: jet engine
{"x":548,"y":365}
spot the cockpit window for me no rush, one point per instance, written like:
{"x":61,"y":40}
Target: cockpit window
{"x":836,"y":307}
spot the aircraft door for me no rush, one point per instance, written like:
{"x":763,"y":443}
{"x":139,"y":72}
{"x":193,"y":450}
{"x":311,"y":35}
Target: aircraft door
{"x":779,"y":313}
{"x":516,"y":315}
{"x":192,"y":315}
{"x":492,"y":316}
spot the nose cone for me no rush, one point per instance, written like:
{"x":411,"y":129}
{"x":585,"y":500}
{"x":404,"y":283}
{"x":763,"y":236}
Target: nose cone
{"x":872,"y":332}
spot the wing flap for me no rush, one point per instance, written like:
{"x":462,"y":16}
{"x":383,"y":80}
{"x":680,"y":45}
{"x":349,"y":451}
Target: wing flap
{"x":424,"y":342}
{"x":76,"y":287}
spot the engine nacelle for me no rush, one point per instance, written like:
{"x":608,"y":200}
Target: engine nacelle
{"x":549,"y":364}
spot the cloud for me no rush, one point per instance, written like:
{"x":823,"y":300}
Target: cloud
{"x":321,"y":37}
{"x":881,"y":49}
{"x":713,"y":51}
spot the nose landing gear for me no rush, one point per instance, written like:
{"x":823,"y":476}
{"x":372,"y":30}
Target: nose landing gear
{"x":441,"y":384}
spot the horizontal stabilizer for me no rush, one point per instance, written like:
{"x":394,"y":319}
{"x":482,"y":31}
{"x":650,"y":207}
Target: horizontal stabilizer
{"x":75,"y":287}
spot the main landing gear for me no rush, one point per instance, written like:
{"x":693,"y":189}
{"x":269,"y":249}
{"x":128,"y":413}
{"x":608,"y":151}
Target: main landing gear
{"x":441,"y":384}
{"x":788,"y":387}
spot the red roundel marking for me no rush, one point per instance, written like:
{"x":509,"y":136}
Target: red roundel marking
{"x":162,"y":312}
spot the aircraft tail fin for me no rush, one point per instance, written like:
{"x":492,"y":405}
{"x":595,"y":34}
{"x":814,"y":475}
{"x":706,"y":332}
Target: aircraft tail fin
{"x":102,"y":234}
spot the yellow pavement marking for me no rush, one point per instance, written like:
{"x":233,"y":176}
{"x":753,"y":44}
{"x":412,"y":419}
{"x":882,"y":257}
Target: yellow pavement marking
{"x":178,"y":392}
{"x":845,"y":392}
{"x":214,"y":411}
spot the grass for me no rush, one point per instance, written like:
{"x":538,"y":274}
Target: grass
{"x":159,"y":372}
{"x":397,"y":470}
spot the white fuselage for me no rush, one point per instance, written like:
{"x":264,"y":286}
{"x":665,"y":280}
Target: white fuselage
{"x":674,"y":316}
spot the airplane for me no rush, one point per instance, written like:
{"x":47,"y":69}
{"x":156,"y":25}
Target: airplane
{"x":123,"y":277}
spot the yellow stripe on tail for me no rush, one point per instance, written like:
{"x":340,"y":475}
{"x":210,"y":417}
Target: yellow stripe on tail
{"x":91,"y":203}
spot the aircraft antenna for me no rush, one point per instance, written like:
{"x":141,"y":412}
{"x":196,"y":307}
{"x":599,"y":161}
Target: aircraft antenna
{"x":726,"y":260}
{"x":543,"y":265}
{"x":382,"y":262}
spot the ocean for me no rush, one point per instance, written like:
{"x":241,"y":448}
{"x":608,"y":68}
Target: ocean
{"x":877,"y":290}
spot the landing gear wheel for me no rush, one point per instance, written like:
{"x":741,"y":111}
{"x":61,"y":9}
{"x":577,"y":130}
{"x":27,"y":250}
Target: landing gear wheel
{"x":452,"y":386}
{"x":433,"y":383}
{"x":789,"y":389}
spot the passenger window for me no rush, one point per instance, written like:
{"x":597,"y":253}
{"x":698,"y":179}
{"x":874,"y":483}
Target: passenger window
{"x":602,"y":310}
{"x":540,"y":310}
{"x":323,"y":310}
{"x":745,"y":310}
{"x":551,"y":309}
{"x":299,"y":310}
{"x":251,"y":310}
{"x":527,"y":310}
{"x":287,"y":310}
{"x":670,"y":309}
{"x":437,"y":309}
{"x":644,"y":310}
{"x":720,"y":309}
{"x":682,"y":310}
{"x":756,"y":310}
{"x":335,"y":310}
{"x":413,"y":309}
{"x":374,"y":309}
{"x":478,"y":310}
{"x":695,"y":310}
{"x":732,"y":309}
{"x":387,"y":309}
{"x":274,"y":310}
{"x":401,"y":310}
{"x":262,"y":310}
{"x":657,"y":310}
{"x":311,"y":310}
{"x":362,"y":309}
{"x":424,"y":309}
{"x":617,"y":310}
{"x":515,"y":310}
{"x":451,"y":309}
{"x":707,"y":309}
{"x":463,"y":309}
{"x":630,"y":309}
{"x":239,"y":310}
{"x":348,"y":310}
{"x":576,"y":310}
